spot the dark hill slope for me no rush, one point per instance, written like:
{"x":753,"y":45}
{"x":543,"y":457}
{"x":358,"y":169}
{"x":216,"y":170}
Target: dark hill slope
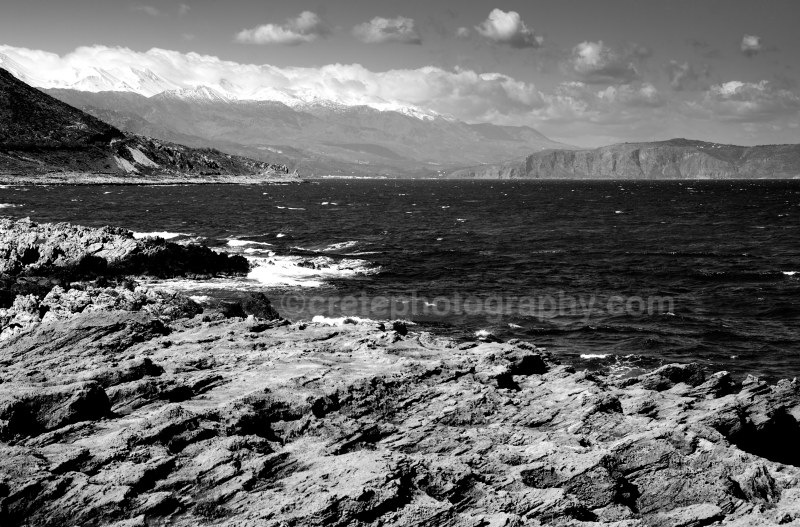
{"x":40,"y":134}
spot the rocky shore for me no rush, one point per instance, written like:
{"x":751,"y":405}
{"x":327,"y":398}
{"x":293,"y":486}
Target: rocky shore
{"x":88,"y":178}
{"x":121,"y":405}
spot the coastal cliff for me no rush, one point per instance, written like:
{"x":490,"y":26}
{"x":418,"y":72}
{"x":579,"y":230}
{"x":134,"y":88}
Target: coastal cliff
{"x":674,"y":159}
{"x":127,"y":406}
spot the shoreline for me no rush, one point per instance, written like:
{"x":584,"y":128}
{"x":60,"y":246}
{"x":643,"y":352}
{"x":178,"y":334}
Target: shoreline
{"x":82,"y":179}
{"x":103,"y":179}
{"x":124,"y":405}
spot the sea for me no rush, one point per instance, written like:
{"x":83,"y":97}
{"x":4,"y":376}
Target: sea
{"x":610,"y":275}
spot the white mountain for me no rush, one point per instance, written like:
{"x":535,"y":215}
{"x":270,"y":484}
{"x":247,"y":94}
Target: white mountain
{"x":26,"y":75}
{"x":148,"y":84}
{"x":197,"y":94}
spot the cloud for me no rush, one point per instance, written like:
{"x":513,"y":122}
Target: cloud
{"x":684,"y":76}
{"x":751,"y":45}
{"x":509,"y":29}
{"x":644,"y":95}
{"x":462,"y":32}
{"x":147,"y":9}
{"x":749,"y":102}
{"x":184,"y":9}
{"x":306,"y":27}
{"x":379,"y":30}
{"x":596,"y":63}
{"x":576,"y":101}
{"x":464,"y":94}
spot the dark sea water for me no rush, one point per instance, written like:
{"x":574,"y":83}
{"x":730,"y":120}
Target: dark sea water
{"x":608,"y":274}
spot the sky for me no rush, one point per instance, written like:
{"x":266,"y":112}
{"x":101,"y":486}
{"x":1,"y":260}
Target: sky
{"x":584,"y":72}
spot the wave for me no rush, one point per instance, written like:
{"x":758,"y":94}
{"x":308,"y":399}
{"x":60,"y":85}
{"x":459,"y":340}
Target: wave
{"x":733,"y":276}
{"x":340,"y":245}
{"x":234,"y":242}
{"x":159,"y":234}
{"x":305,"y":272}
{"x":200,"y":299}
{"x":9,"y":205}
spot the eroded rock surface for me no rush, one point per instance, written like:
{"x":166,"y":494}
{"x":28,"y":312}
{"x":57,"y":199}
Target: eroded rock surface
{"x":127,"y":406}
{"x":127,"y":417}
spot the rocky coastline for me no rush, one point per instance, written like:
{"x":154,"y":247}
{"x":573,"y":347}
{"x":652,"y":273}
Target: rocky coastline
{"x":84,"y":178}
{"x":128,"y":406}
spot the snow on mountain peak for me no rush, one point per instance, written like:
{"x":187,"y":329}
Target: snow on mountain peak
{"x":196,"y":94}
{"x":92,"y":77}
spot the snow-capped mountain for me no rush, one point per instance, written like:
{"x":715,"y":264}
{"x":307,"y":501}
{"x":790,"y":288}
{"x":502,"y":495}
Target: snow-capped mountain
{"x":90,"y":78}
{"x":264,"y":112}
{"x":198,"y":94}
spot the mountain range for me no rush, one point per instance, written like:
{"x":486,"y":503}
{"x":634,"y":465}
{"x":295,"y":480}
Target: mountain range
{"x":672,"y":159}
{"x":280,"y":128}
{"x":42,"y":135}
{"x":316,"y":138}
{"x":313,"y":134}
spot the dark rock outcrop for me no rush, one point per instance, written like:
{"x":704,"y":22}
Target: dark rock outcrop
{"x":35,"y":257}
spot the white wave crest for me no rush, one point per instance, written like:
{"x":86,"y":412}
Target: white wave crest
{"x":159,"y":234}
{"x":233,"y":242}
{"x":341,"y":245}
{"x":305,"y":272}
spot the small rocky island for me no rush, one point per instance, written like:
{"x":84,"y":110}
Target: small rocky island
{"x":128,"y":406}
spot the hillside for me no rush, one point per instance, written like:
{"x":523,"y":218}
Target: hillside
{"x":42,"y":135}
{"x":673,"y":159}
{"x":320,"y":137}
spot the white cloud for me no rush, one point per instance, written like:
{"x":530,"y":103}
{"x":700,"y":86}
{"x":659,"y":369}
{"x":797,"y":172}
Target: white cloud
{"x":596,"y":63}
{"x":147,"y":9}
{"x":749,"y":102}
{"x":184,"y":9}
{"x":306,"y":27}
{"x":644,"y":95}
{"x":462,"y":32}
{"x":509,"y":29}
{"x":751,"y":45}
{"x":576,"y":101}
{"x":379,"y":30}
{"x":464,"y":94}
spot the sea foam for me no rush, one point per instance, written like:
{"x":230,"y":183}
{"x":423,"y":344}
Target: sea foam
{"x":159,"y":234}
{"x":233,"y":242}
